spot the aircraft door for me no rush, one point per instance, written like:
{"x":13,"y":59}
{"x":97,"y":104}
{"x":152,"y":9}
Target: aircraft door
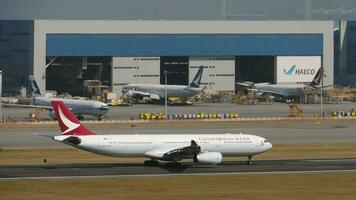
{"x":218,"y":144}
{"x":105,"y":142}
{"x":156,"y":142}
{"x":258,"y":145}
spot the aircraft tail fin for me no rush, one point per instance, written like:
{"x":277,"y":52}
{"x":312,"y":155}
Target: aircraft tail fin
{"x":317,"y":78}
{"x":34,"y":87}
{"x":68,"y":123}
{"x":196,"y":81}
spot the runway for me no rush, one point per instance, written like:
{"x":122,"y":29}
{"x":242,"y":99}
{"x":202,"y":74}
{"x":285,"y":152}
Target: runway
{"x":50,"y":171}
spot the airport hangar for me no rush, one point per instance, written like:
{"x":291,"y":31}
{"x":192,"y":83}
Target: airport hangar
{"x":123,"y":52}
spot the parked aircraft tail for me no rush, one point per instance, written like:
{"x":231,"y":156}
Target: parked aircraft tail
{"x":34,"y":87}
{"x":196,"y":81}
{"x":68,"y":123}
{"x":317,"y":78}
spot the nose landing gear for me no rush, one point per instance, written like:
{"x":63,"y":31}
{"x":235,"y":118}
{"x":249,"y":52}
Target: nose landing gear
{"x":151,"y":163}
{"x":249,"y":162}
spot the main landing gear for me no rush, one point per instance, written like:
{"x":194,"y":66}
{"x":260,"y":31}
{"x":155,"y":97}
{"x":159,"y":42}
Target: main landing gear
{"x":249,"y":162}
{"x":155,"y":163}
{"x":151,"y":163}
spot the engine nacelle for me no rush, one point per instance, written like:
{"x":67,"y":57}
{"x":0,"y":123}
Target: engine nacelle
{"x":129,"y":94}
{"x":52,"y":115}
{"x":209,"y":157}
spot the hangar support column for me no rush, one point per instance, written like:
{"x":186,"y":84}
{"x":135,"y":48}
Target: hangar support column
{"x":343,"y":47}
{"x":39,"y":55}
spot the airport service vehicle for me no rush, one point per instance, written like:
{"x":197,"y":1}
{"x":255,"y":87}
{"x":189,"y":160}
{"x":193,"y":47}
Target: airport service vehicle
{"x":202,"y":148}
{"x":283,"y":90}
{"x":157,"y":92}
{"x":79,"y":107}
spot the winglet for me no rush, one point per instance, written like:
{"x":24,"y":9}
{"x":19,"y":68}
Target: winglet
{"x":68,"y":123}
{"x":196,"y":81}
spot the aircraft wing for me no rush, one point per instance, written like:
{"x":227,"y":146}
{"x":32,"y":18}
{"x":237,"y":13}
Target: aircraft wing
{"x":245,"y":84}
{"x":262,"y":92}
{"x":175,"y":154}
{"x":49,"y":108}
{"x":46,"y":136}
{"x":134,"y":93}
{"x":27,"y":106}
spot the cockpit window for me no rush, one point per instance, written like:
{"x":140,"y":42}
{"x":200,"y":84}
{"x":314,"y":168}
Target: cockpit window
{"x":265,"y":141}
{"x":103,"y":108}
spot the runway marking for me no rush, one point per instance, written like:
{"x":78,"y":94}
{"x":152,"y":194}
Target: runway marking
{"x":331,"y":160}
{"x":187,"y":174}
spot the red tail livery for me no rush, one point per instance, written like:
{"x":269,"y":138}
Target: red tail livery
{"x":68,"y":123}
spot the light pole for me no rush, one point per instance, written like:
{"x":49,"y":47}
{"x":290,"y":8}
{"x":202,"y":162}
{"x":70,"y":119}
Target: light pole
{"x":165,"y":93}
{"x":321,"y":91}
{"x":0,"y":96}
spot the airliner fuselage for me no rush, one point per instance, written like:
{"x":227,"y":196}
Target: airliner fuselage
{"x":77,"y":106}
{"x":156,"y":145}
{"x":160,"y":90}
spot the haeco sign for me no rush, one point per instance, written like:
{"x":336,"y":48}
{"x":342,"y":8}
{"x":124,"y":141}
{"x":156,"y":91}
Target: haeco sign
{"x":297,"y":69}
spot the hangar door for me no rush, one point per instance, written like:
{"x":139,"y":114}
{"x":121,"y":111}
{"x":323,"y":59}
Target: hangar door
{"x":218,"y":73}
{"x":296,"y":69}
{"x":258,"y":69}
{"x":177,"y":68}
{"x":127,"y":70}
{"x":68,"y":73}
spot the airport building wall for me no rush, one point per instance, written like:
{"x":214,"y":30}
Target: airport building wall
{"x":230,"y":50}
{"x":126,"y":70}
{"x":16,"y":52}
{"x":347,"y":47}
{"x":345,"y":50}
{"x":296,"y":69}
{"x":218,"y":74}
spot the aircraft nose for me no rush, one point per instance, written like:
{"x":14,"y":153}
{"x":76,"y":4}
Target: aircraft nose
{"x":269,"y":145}
{"x":104,"y":108}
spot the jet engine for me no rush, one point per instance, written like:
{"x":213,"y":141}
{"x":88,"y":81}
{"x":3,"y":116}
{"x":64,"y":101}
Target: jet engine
{"x":52,"y":115}
{"x":134,"y":95}
{"x":129,"y":94}
{"x":209,"y":158}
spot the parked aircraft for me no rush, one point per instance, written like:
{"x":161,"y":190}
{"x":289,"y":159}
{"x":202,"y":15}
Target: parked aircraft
{"x":79,"y":107}
{"x":284,"y":90}
{"x":202,"y":148}
{"x":157,"y":92}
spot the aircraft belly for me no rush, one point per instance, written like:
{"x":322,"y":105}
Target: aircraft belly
{"x":174,"y":93}
{"x":121,"y":150}
{"x":132,"y":149}
{"x":236,"y":149}
{"x":42,"y":101}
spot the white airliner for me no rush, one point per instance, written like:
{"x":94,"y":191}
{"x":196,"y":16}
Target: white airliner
{"x":202,"y":148}
{"x":79,"y":107}
{"x":157,"y":92}
{"x":284,"y":90}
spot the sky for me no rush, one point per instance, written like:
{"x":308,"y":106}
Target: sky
{"x":178,"y":9}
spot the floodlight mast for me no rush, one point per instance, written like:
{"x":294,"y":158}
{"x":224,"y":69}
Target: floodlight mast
{"x":321,"y":91}
{"x":165,"y":94}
